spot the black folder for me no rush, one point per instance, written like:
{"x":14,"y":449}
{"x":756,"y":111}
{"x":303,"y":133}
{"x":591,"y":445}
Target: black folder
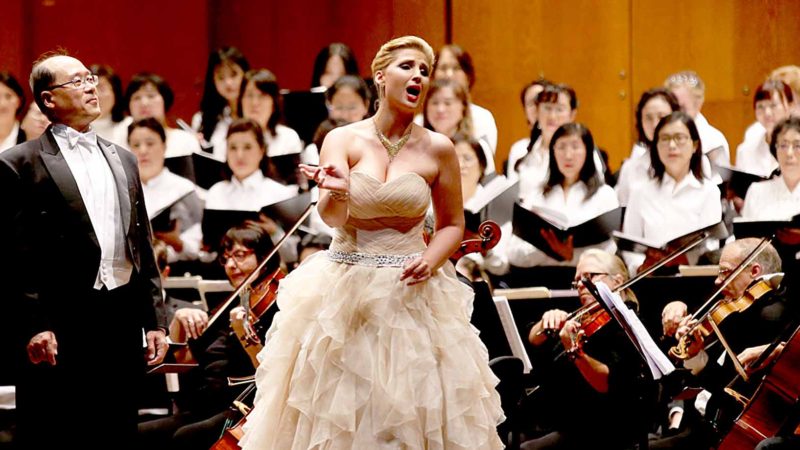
{"x":528,"y":225}
{"x":287,"y":212}
{"x":743,"y":228}
{"x":494,"y":202}
{"x":162,"y":220}
{"x":217,"y":222}
{"x":304,"y":111}
{"x":639,"y":244}
{"x":284,"y":168}
{"x":201,"y":168}
{"x":738,"y":180}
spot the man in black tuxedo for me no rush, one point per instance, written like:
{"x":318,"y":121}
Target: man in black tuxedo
{"x":82,"y":278}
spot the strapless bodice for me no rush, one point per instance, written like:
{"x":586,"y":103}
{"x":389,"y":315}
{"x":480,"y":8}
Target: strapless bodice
{"x":385,"y":217}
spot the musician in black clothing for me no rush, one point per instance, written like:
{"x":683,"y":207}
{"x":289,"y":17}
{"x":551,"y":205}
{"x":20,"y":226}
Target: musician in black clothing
{"x":203,"y":404}
{"x":589,"y":390}
{"x":770,"y":317}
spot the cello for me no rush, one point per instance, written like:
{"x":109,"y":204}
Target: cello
{"x":765,"y":414}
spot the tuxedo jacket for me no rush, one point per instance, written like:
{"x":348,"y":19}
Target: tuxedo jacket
{"x":50,"y":245}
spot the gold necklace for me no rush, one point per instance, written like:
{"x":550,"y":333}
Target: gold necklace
{"x":391,"y":149}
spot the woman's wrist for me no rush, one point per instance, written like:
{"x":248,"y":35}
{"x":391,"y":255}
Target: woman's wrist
{"x":339,"y":196}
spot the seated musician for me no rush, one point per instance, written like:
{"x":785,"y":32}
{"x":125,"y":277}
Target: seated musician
{"x":678,"y":199}
{"x":203,"y":404}
{"x":573,"y":187}
{"x":590,"y":393}
{"x":757,"y":325}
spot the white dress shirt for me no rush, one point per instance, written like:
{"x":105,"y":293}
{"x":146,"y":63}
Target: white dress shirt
{"x":11,"y":139}
{"x":512,"y":250}
{"x":182,"y":143}
{"x":116,"y":132}
{"x":219,"y":136}
{"x":771,"y":200}
{"x":169,"y":190}
{"x":661,"y":211}
{"x":250,"y":194}
{"x":711,"y":139}
{"x":753,"y":155}
{"x":484,"y":125}
{"x":285,"y":142}
{"x":517,"y":151}
{"x":99,"y":192}
{"x":634,"y":170}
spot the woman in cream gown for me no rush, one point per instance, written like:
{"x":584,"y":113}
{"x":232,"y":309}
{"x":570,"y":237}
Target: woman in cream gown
{"x":372,"y":347}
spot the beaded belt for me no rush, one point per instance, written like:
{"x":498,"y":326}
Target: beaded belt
{"x":370,"y":259}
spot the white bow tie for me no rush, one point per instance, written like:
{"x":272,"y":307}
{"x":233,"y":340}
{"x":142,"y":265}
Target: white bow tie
{"x":74,"y":136}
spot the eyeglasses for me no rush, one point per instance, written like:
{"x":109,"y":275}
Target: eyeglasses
{"x":343,"y":108}
{"x":785,"y":146}
{"x":590,"y":275}
{"x":726,"y":272}
{"x":677,"y":138}
{"x":238,"y":256}
{"x":90,"y":79}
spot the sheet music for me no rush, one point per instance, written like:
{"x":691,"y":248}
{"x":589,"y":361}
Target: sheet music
{"x":512,"y":334}
{"x":657,"y":361}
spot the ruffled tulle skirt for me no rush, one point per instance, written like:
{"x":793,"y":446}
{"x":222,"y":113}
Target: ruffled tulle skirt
{"x":356,"y":359}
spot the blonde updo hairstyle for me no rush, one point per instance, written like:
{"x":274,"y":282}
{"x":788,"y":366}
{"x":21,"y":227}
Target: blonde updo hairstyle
{"x":385,"y":55}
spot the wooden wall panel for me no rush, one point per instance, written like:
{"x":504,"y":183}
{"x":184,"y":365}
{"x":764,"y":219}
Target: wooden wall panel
{"x":169,"y":38}
{"x":286,"y":36}
{"x":584,"y":44}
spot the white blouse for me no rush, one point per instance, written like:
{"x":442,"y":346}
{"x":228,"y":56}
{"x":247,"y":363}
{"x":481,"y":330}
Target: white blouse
{"x":634,"y":170}
{"x":168,"y":189}
{"x":771,"y":200}
{"x":219,"y":136}
{"x":485,"y":126}
{"x":250,"y":194}
{"x":753,"y":155}
{"x":181,"y":143}
{"x":711,"y":138}
{"x":662,"y":211}
{"x":512,"y":250}
{"x":285,"y":142}
{"x":116,"y":132}
{"x":11,"y":139}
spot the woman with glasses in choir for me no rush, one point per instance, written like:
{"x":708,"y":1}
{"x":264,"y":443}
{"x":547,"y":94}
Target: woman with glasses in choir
{"x":654,"y":104}
{"x":574,"y":188}
{"x":220,"y":102}
{"x":778,"y":198}
{"x":149,"y":95}
{"x":112,"y":121}
{"x":678,"y":198}
{"x":12,"y":104}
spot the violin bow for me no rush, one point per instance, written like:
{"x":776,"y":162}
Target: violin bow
{"x":735,"y":273}
{"x":263,"y":264}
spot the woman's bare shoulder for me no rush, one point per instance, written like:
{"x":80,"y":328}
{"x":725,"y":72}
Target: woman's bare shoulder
{"x":438,"y":144}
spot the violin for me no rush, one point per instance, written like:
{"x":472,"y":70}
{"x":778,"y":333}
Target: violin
{"x":256,"y":302}
{"x":487,"y":238}
{"x":592,"y":317}
{"x":721,"y":310}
